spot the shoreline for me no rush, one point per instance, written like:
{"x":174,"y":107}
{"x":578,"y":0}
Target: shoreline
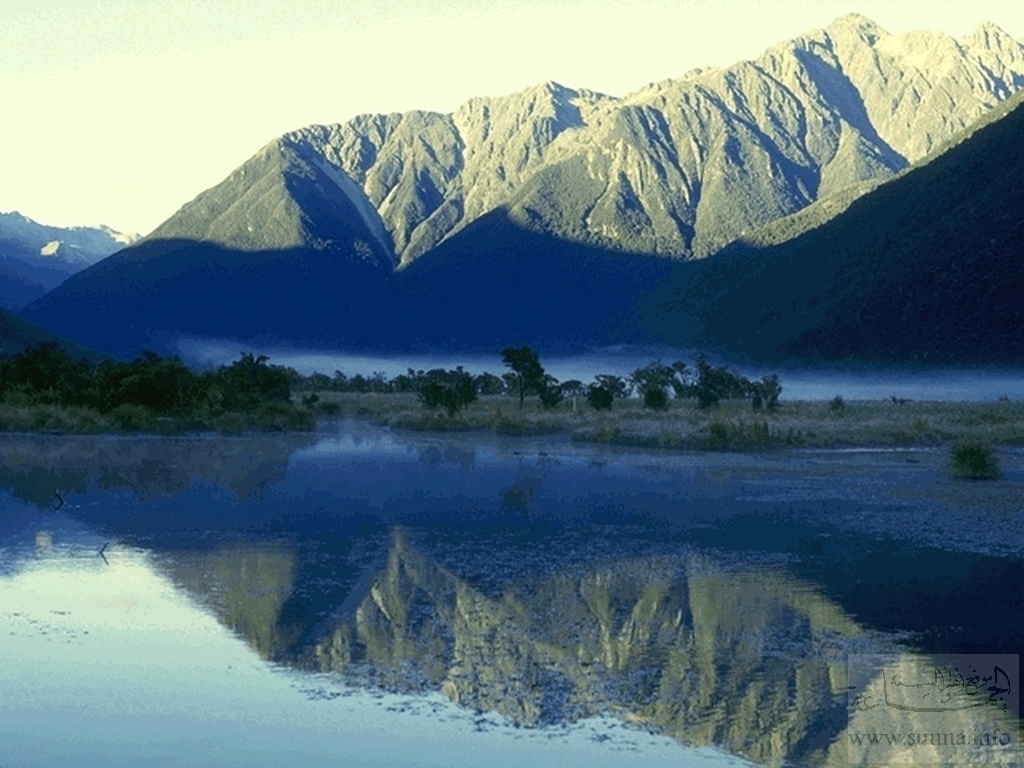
{"x":731,"y":426}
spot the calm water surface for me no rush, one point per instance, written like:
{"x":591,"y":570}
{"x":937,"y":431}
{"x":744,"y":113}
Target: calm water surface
{"x":369,"y":598}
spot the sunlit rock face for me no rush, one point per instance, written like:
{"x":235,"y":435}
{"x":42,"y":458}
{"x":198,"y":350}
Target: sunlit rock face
{"x":423,"y":230}
{"x":684,"y":166}
{"x":285,"y":197}
{"x":747,"y":659}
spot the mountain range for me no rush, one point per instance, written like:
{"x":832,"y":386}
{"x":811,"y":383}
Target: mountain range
{"x":35,"y":258}
{"x":536,"y":216}
{"x":684,"y":166}
{"x":926,"y":267}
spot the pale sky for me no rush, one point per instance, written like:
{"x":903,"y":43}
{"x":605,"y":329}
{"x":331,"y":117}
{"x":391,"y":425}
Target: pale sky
{"x":120,"y":111}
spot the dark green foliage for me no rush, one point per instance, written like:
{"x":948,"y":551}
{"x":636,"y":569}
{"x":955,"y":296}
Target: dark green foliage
{"x":248,"y":382}
{"x":551,"y":393}
{"x":765,"y":393}
{"x":573,"y":388}
{"x":489,"y":384}
{"x":151,"y":392}
{"x":974,"y":460}
{"x":719,"y":383}
{"x":654,"y":380}
{"x":618,"y":386}
{"x":451,"y":390}
{"x":837,"y":403}
{"x":47,"y":374}
{"x":162,"y":385}
{"x":655,"y":398}
{"x":527,"y":371}
{"x":600,"y":397}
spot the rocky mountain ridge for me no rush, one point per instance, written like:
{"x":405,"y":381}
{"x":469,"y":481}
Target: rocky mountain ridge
{"x":35,"y":258}
{"x":685,"y":166}
{"x":925,"y":268}
{"x":534,"y":217}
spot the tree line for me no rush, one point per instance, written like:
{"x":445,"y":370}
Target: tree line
{"x":164,"y":386}
{"x":656,"y":384}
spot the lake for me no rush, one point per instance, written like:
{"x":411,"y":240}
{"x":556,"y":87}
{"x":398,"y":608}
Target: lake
{"x":972,"y":384}
{"x":371,"y":597}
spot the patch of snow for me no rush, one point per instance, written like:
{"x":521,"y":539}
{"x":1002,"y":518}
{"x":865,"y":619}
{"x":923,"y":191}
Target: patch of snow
{"x":50,"y":249}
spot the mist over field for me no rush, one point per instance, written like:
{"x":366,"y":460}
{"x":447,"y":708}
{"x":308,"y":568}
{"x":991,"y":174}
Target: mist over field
{"x":966,"y":384}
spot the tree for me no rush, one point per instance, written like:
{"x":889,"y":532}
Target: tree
{"x":151,"y":381}
{"x":249,"y":381}
{"x":619,"y":387}
{"x":574,"y":388}
{"x":652,"y":382}
{"x":714,"y":384}
{"x":599,"y":397}
{"x":526,"y":368}
{"x":550,"y":392}
{"x":451,"y":390}
{"x":489,"y":384}
{"x":50,"y":374}
{"x":682,"y":379}
{"x":765,"y":393}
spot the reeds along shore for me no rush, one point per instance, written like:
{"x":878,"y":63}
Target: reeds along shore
{"x":730,"y":425}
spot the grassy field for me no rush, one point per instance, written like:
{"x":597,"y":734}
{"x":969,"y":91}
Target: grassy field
{"x":132,"y":419}
{"x":732,"y":425}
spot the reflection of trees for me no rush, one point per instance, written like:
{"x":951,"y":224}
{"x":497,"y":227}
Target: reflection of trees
{"x":33,"y":467}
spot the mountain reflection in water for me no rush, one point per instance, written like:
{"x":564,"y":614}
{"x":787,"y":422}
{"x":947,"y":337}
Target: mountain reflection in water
{"x":546,"y":584}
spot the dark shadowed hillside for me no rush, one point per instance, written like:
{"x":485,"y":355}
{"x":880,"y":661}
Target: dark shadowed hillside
{"x":927,"y":267}
{"x":282,"y":248}
{"x":540,"y":218}
{"x":497,"y":282}
{"x":18,"y":335}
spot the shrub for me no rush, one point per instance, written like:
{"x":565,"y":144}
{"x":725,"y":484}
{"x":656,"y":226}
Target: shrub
{"x":744,"y":436}
{"x":527,"y":374}
{"x":616,"y":385}
{"x":130,"y":417}
{"x":655,"y":397}
{"x":489,"y":384}
{"x":600,"y":398}
{"x":550,"y":392}
{"x":283,"y":417}
{"x":653,"y":381}
{"x":837,"y":403}
{"x":328,"y":408}
{"x":974,"y":460}
{"x":451,"y":390}
{"x":232,"y":423}
{"x":714,"y":384}
{"x":722,"y":436}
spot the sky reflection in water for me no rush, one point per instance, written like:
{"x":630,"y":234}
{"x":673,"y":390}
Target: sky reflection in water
{"x":296,"y":602}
